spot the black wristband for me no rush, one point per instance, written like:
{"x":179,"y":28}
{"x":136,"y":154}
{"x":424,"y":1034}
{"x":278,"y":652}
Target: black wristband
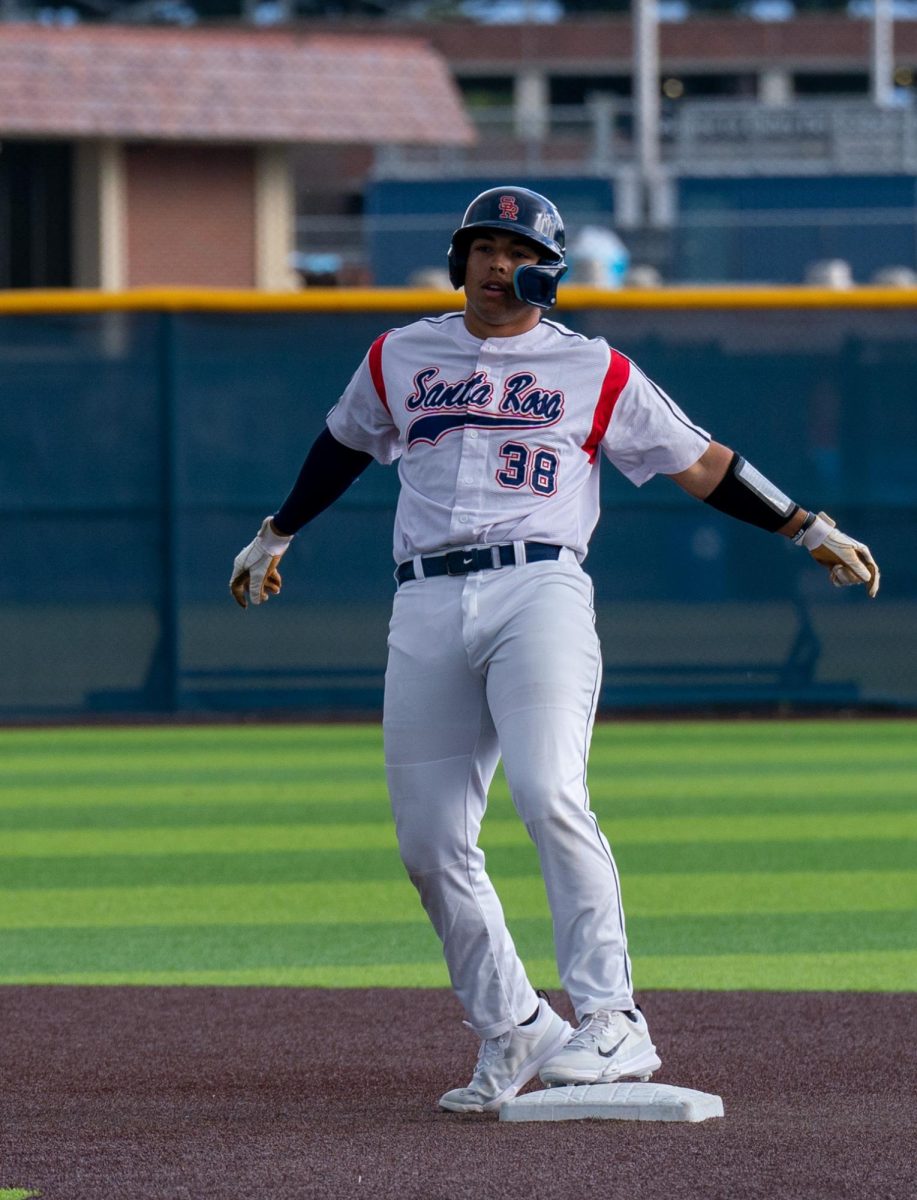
{"x":745,"y":494}
{"x":804,"y":529}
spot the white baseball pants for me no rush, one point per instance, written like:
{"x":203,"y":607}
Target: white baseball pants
{"x":503,"y":663}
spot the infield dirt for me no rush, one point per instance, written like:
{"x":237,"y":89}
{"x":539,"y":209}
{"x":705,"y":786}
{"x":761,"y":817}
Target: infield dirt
{"x":233,"y":1093}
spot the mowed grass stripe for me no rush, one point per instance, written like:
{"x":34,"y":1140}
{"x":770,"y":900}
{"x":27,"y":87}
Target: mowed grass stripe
{"x":666,"y":787}
{"x":155,"y":741}
{"x":823,"y":970}
{"x":322,"y":805}
{"x":390,"y":974}
{"x":214,"y":947}
{"x":192,"y":769}
{"x":504,"y":862}
{"x":649,"y":738}
{"x":344,"y":904}
{"x":296,"y":776}
{"x":258,"y":838}
{"x":869,"y":971}
{"x":620,"y":750}
{"x":330,"y":804}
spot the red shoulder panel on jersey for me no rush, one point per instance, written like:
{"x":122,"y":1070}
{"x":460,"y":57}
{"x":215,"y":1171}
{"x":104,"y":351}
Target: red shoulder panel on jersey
{"x":375,"y":368}
{"x":616,"y":377}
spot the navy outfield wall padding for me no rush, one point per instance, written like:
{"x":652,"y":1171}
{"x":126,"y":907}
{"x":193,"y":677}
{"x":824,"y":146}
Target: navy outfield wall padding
{"x":139,"y":453}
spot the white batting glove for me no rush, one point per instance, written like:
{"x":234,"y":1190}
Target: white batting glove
{"x":848,"y":561}
{"x":254,"y":572}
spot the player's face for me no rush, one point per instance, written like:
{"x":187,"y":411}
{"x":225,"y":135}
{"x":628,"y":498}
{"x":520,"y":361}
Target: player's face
{"x":492,"y":308}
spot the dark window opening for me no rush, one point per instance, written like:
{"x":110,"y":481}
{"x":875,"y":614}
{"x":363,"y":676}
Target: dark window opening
{"x":483,"y":91}
{"x":721,"y":86}
{"x":817,"y":84}
{"x":577,"y":89}
{"x":35,"y":214}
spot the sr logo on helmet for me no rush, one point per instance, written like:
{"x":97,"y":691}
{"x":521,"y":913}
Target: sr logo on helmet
{"x":528,"y":215}
{"x":509,"y":209}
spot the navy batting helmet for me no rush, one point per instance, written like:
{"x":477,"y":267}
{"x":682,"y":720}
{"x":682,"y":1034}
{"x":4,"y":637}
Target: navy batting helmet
{"x":528,"y":215}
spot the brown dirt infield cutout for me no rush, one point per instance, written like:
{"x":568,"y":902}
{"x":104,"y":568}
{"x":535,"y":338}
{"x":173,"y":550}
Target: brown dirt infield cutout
{"x":279,"y":1094}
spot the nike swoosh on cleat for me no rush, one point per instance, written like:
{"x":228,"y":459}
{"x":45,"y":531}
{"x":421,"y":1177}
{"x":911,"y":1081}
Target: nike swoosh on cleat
{"x":616,"y":1046}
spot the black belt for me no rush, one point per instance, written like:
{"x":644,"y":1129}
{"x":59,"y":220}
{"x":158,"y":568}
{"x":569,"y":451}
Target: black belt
{"x":481,"y":558}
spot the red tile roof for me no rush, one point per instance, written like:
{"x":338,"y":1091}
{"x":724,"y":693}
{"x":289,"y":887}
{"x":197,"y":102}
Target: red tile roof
{"x":225,"y":85}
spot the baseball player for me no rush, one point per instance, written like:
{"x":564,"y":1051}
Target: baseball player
{"x":498,"y":418}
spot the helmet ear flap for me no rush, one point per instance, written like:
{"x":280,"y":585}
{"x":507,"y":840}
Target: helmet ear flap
{"x":536,"y":283}
{"x":457,"y":261}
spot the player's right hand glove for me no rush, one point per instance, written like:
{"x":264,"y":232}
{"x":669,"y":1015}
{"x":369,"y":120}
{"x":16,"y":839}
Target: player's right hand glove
{"x":848,"y":561}
{"x":254,"y":572}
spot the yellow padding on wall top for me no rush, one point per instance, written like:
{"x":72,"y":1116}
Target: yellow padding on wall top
{"x":176,"y":299}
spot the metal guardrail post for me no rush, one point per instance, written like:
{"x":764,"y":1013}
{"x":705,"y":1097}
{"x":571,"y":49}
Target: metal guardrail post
{"x":909,"y":140}
{"x":602,"y":114}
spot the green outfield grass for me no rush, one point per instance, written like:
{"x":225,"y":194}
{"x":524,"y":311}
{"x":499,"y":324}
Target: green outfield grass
{"x":776,"y":855}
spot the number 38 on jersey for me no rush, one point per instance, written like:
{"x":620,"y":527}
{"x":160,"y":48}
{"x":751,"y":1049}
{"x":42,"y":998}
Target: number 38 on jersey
{"x":526,"y":466}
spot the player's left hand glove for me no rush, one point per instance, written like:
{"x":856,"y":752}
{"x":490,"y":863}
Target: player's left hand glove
{"x":254,"y":573}
{"x":848,"y":561}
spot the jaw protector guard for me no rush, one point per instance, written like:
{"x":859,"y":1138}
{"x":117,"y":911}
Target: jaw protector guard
{"x":528,"y":215}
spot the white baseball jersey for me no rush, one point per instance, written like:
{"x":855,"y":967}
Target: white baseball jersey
{"x":499,"y":438}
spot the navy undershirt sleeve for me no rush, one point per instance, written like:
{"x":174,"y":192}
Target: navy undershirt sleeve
{"x":329,"y":470}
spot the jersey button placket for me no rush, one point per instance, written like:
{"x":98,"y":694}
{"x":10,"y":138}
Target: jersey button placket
{"x":472,"y":467}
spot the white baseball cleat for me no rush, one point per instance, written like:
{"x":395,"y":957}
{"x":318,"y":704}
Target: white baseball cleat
{"x":506,"y":1063}
{"x":607,"y":1046}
